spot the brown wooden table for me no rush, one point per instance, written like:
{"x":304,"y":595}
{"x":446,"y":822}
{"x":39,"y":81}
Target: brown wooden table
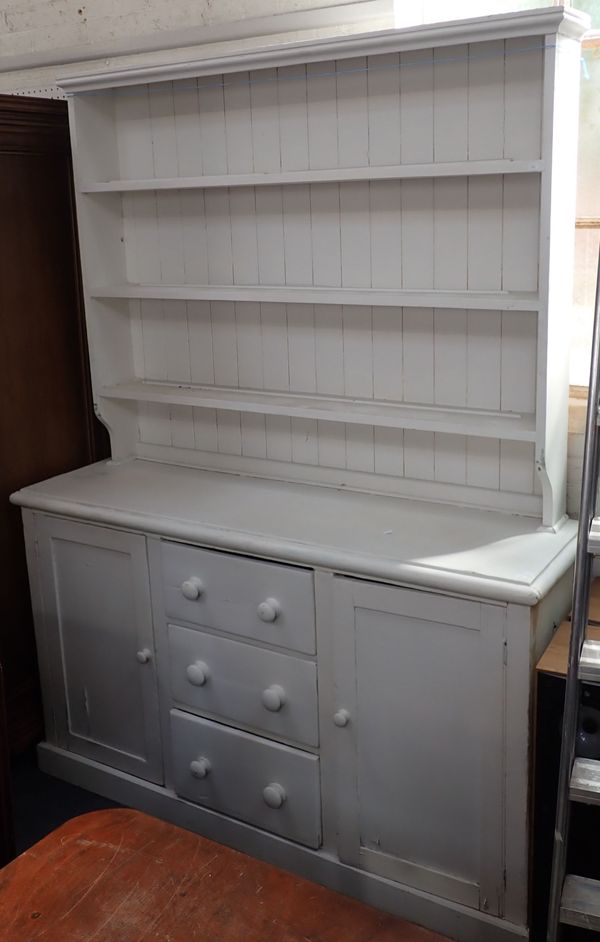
{"x":122,"y":876}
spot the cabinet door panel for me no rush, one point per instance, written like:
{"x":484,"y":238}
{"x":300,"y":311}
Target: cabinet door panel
{"x":423,"y":749}
{"x":99,"y":641}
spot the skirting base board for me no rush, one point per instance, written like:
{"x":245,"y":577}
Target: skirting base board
{"x":457,"y":922}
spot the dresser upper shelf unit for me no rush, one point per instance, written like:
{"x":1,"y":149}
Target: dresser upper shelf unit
{"x":460,"y":168}
{"x":343,"y":261}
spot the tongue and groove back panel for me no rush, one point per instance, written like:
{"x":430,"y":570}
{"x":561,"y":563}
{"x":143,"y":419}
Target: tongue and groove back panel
{"x":360,"y":237}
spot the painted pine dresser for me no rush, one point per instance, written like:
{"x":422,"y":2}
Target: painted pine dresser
{"x":327,"y":286}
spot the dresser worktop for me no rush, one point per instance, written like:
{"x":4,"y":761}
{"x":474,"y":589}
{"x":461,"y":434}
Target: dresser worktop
{"x":492,"y":555}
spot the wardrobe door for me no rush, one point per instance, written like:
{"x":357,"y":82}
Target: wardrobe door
{"x":47,"y":424}
{"x":419,"y":755}
{"x":97,"y":643}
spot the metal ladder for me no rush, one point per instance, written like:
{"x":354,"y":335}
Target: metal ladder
{"x":575,"y":900}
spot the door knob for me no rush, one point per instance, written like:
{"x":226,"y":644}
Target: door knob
{"x":273,"y":698}
{"x":144,"y":655}
{"x":198,"y":673}
{"x":274,"y":795}
{"x":192,"y":588}
{"x":200,"y":767}
{"x":268,"y":610}
{"x":341,"y":718}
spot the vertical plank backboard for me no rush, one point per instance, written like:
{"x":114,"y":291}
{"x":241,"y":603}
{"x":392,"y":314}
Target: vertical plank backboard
{"x":275,"y":364}
{"x":418,"y":364}
{"x":326,"y":235}
{"x":224,"y":343}
{"x":484,"y":250}
{"x":358,"y":351}
{"x":450,"y":103}
{"x":238,"y":123}
{"x":218,"y":235}
{"x":355,"y":235}
{"x":523,"y":97}
{"x":486,"y":100}
{"x":450,"y":234}
{"x":265,"y":120}
{"x":244,"y":242}
{"x":269,"y":234}
{"x":388,"y":339}
{"x":212,"y":124}
{"x":416,"y":106}
{"x":521,"y":232}
{"x":417,"y":234}
{"x":293,"y":117}
{"x":352,"y":112}
{"x":329,"y":349}
{"x":450,"y":358}
{"x":298,"y":252}
{"x":519,"y":352}
{"x":386,"y":233}
{"x":383,"y":103}
{"x":301,"y":348}
{"x":321,"y":115}
{"x":188,"y":138}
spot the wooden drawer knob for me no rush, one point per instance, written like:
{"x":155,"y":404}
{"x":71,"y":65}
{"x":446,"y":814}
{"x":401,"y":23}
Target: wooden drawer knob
{"x":274,"y":795}
{"x":273,"y":698}
{"x":268,"y":610}
{"x":198,"y":673}
{"x":341,"y":718}
{"x":200,"y":767}
{"x":192,"y":588}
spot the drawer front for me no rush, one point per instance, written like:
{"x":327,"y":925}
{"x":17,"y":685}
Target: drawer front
{"x":265,"y":601}
{"x":265,"y":689}
{"x":266,"y":784}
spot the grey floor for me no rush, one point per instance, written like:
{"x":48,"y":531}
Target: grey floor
{"x":41,"y":803}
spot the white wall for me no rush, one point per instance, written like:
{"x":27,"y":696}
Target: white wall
{"x":41,"y":40}
{"x":35,"y":25}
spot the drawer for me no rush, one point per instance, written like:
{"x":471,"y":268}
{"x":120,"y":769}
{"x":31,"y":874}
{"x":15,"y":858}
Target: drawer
{"x":248,"y":597}
{"x":271,"y":691}
{"x":272,"y":786}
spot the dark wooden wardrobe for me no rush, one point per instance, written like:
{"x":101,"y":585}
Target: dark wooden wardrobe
{"x":47,"y":424}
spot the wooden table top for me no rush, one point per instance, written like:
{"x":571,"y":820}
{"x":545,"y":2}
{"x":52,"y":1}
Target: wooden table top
{"x":555,"y":658}
{"x":122,"y":876}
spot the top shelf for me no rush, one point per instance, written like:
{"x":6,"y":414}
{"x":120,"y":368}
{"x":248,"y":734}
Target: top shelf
{"x":460,"y":168}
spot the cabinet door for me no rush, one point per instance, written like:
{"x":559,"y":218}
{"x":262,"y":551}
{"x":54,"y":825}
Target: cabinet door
{"x":97,"y":639}
{"x":419,"y":761}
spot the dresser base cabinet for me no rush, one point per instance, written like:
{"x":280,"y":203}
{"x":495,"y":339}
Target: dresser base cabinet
{"x":391,"y":765}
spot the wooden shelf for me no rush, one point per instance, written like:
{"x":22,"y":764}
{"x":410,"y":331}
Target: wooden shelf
{"x":508,"y":426}
{"x":339,"y":175}
{"x":285,"y":294}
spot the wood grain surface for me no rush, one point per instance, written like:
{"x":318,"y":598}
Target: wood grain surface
{"x":555,"y":658}
{"x":122,"y":876}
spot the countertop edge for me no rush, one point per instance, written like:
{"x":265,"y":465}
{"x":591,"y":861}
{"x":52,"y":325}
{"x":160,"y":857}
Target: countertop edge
{"x":311,"y":555}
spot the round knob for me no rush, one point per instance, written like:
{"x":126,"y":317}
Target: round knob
{"x":192,"y":588}
{"x":273,"y":698}
{"x":274,"y":795}
{"x":341,"y":718}
{"x":198,"y":673}
{"x":144,"y":655}
{"x":268,"y":610}
{"x":200,"y":767}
